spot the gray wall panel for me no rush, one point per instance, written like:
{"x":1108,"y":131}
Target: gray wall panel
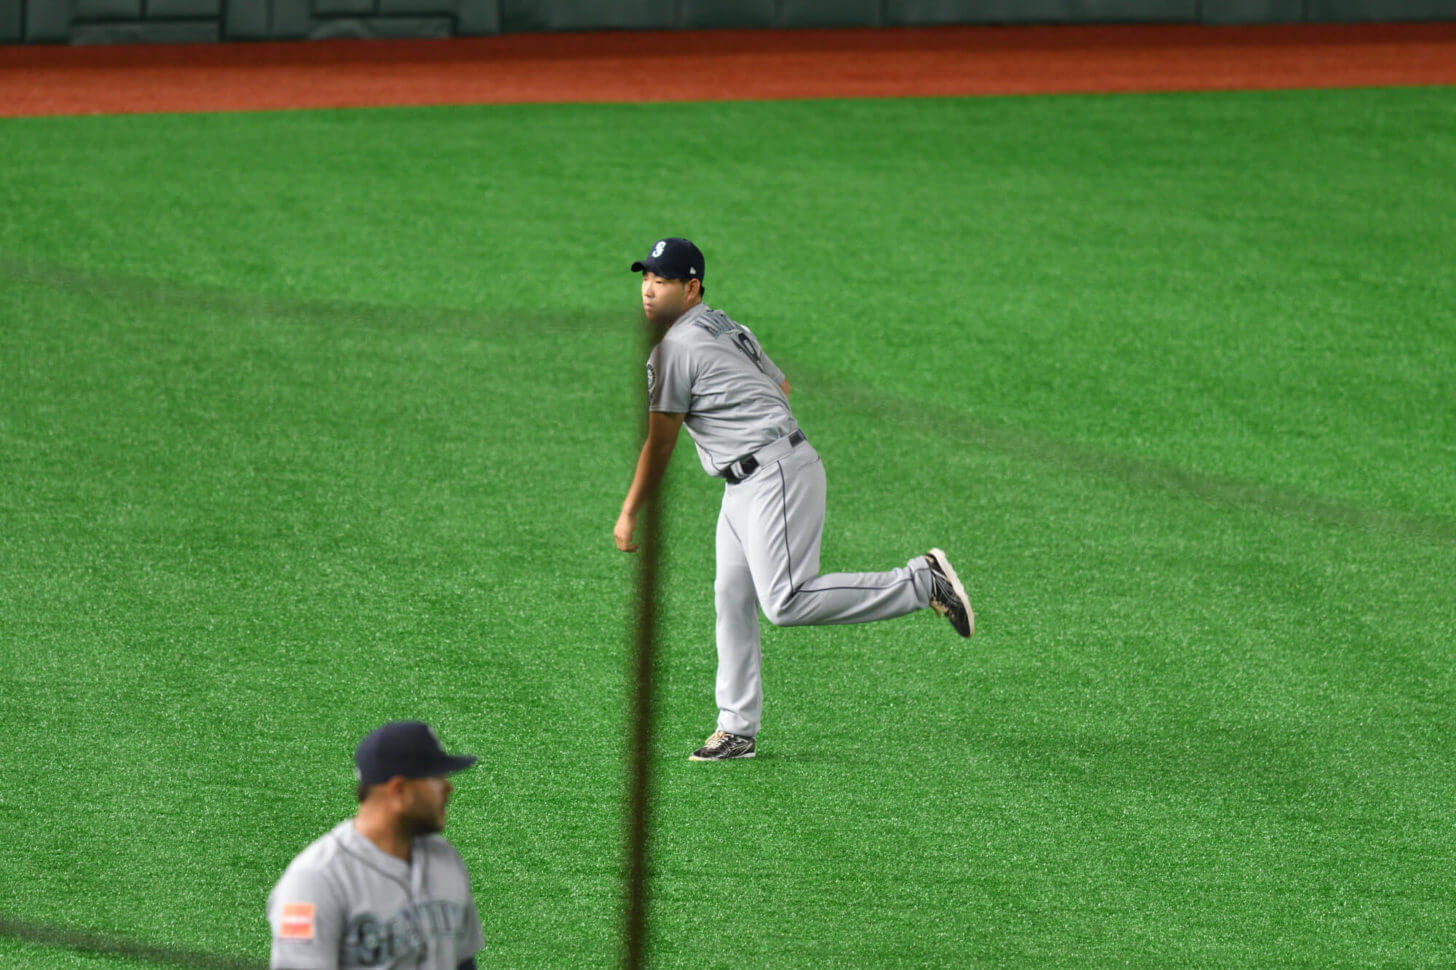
{"x":245,"y":19}
{"x":60,"y":21}
{"x":186,"y":32}
{"x":587,"y":14}
{"x":829,"y":13}
{"x":1376,"y":10}
{"x":107,"y":10}
{"x":475,"y":17}
{"x":342,"y":8}
{"x":9,"y":21}
{"x":911,"y":12}
{"x":47,"y":21}
{"x":183,"y":9}
{"x":289,"y":19}
{"x":402,"y":27}
{"x":1253,"y":11}
{"x":1135,"y":11}
{"x":693,"y":14}
{"x":360,"y":28}
{"x":418,"y":8}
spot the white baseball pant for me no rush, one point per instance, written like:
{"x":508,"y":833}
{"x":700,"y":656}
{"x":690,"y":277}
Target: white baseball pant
{"x":769,"y":530}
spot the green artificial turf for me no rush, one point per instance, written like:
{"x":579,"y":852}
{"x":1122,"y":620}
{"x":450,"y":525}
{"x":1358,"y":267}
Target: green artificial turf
{"x":311,"y":420}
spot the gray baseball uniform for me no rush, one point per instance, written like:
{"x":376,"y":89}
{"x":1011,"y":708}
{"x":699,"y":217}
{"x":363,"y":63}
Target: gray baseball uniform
{"x":344,"y":903}
{"x":713,"y":370}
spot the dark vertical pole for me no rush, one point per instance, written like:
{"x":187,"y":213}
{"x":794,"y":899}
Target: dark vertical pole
{"x":639,"y":731}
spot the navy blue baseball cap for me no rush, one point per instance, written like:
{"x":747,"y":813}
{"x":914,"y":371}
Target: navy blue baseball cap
{"x":673,"y":259}
{"x":407,"y":748}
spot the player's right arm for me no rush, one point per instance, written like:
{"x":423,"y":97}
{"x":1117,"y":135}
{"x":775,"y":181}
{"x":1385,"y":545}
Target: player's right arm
{"x":785,"y":388}
{"x":662,"y":431}
{"x":307,"y":920}
{"x":669,"y":396}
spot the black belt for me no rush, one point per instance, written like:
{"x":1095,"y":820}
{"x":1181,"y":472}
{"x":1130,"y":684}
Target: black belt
{"x":749,"y":464}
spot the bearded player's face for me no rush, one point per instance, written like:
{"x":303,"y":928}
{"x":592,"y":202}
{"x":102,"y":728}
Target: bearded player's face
{"x":664,"y":300}
{"x":425,"y":804}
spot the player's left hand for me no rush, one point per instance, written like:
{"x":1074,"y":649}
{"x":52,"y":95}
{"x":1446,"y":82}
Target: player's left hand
{"x":626,"y":525}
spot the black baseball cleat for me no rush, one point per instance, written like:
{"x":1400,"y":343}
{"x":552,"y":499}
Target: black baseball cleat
{"x":947,"y":595}
{"x":722,"y":746}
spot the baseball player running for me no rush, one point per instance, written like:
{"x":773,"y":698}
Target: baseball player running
{"x":383,"y":889}
{"x":708,"y":372}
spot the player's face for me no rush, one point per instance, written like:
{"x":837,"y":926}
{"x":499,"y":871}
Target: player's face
{"x":425,"y":804}
{"x":663,"y":300}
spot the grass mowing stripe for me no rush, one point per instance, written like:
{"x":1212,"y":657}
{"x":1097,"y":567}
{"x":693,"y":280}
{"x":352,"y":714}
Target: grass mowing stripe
{"x":1020,"y":442}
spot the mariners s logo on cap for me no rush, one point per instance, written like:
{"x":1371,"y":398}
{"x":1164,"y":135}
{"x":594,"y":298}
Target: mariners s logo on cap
{"x":673,"y":258}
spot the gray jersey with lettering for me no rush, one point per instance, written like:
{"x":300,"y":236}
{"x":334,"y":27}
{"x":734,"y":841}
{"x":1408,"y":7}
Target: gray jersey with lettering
{"x":713,"y":370}
{"x":344,"y":903}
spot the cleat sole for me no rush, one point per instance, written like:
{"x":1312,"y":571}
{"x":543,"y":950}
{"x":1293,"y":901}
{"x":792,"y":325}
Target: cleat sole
{"x":960,"y":591}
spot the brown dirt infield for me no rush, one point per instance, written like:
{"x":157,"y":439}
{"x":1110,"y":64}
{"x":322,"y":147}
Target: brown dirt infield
{"x":719,"y":65}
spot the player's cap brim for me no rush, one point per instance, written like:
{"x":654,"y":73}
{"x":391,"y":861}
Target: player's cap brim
{"x":457,"y":762}
{"x":447,"y":765}
{"x":650,"y":265}
{"x":437,"y":768}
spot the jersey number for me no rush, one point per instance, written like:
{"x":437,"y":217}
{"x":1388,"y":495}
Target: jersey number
{"x":745,"y":343}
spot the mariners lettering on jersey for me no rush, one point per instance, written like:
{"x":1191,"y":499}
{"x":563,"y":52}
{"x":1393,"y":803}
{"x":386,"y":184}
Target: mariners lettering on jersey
{"x":371,"y":942}
{"x":716,"y":322}
{"x":345,"y":904}
{"x":714,"y":372}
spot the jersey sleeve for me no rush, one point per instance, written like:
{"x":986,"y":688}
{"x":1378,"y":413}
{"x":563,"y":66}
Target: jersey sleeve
{"x":669,"y":378}
{"x":772,"y":369}
{"x":765,"y":362}
{"x":307,"y":920}
{"x":471,"y":938}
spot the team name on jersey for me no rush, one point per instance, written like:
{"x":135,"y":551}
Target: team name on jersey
{"x":716,"y":322}
{"x":370,"y":941}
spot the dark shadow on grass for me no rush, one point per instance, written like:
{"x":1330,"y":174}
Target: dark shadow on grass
{"x":103,"y":944}
{"x":881,"y":406}
{"x":201,"y":300}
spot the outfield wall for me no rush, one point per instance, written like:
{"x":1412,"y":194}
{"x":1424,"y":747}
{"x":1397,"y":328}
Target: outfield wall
{"x":200,"y":21}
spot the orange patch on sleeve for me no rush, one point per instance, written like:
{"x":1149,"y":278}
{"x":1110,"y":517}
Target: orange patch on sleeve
{"x":297,"y":922}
